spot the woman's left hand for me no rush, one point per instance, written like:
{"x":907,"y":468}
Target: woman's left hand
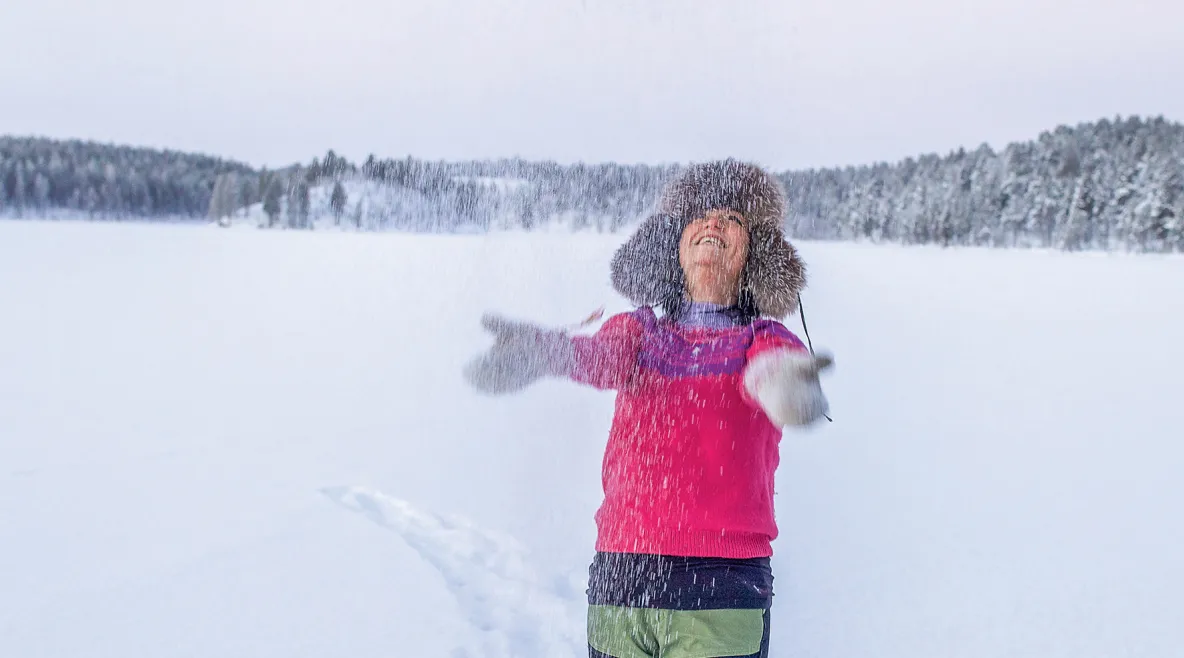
{"x":786,"y":385}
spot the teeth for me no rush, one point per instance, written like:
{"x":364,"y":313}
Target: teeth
{"x":712,"y":240}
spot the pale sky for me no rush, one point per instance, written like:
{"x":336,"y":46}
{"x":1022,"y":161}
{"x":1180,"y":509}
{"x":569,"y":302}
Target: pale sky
{"x":789,"y":84}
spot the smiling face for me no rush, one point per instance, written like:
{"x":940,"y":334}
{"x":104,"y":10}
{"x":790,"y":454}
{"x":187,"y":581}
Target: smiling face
{"x":713,"y":251}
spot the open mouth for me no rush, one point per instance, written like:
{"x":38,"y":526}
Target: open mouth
{"x":712,"y":240}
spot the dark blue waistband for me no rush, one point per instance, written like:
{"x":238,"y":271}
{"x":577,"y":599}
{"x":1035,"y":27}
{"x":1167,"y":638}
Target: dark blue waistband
{"x":679,"y":583}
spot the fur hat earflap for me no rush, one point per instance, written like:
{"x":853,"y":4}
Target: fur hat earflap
{"x":646,"y":269}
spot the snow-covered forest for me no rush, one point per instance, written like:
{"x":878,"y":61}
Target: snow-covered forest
{"x":41,"y":177}
{"x":1112,"y":184}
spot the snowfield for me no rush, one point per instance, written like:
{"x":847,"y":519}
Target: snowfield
{"x":258,"y":443}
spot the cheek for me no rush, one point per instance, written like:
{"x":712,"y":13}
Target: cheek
{"x":742,"y":253}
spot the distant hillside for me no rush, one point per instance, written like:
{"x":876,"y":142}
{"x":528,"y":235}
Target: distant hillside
{"x":1112,"y":184}
{"x":423,"y":196}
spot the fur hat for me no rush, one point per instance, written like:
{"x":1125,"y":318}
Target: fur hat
{"x":646,"y":268}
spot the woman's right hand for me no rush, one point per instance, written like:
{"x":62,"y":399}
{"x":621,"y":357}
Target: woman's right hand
{"x":521,"y":354}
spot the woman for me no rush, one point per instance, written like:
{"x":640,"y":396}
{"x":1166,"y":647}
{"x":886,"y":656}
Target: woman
{"x":684,"y":534}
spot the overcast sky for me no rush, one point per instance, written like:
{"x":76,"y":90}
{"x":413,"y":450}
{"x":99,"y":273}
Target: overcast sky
{"x":788,"y":83}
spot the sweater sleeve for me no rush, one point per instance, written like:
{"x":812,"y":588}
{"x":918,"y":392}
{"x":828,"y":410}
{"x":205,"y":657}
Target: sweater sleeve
{"x":778,"y":378}
{"x":771,"y":336}
{"x":608,"y":358}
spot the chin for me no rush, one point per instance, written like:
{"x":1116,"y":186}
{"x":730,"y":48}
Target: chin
{"x":717,"y":266}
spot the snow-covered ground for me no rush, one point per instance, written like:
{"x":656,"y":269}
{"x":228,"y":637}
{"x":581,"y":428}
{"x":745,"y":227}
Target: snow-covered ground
{"x":258,"y":443}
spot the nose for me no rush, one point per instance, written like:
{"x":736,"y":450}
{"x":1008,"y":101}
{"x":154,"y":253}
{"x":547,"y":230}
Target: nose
{"x":715,"y":221}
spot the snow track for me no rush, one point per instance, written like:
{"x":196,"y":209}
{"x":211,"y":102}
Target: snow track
{"x":513,"y":609}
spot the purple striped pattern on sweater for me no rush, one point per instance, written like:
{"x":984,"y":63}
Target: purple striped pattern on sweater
{"x":696,"y":344}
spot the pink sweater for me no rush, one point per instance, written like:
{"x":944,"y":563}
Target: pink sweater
{"x":690,"y":460}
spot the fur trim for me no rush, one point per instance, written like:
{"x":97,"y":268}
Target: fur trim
{"x":646,"y":270}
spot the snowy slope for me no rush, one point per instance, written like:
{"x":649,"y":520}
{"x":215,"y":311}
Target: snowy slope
{"x":368,"y":205}
{"x":258,"y":443}
{"x":372,"y":205}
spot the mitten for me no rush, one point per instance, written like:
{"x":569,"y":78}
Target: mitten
{"x":521,"y":354}
{"x":785,"y":384}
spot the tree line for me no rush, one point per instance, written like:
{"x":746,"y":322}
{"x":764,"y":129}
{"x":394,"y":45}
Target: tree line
{"x":40,"y":177}
{"x":1108,"y":185}
{"x":1111,"y":184}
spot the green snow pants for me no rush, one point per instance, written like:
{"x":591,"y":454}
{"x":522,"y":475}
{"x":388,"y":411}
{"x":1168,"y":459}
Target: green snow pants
{"x":650,"y":606}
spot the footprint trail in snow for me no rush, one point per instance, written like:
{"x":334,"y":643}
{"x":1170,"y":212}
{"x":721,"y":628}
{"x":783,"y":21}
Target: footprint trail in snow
{"x":513,"y":610}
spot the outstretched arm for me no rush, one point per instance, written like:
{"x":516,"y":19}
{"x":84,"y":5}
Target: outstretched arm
{"x":523,"y":353}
